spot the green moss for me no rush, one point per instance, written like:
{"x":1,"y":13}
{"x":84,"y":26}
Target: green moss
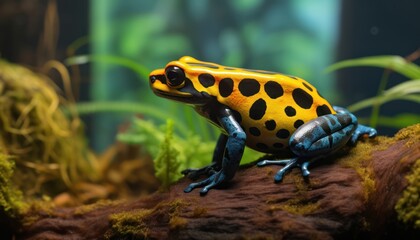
{"x":412,"y":133}
{"x":36,"y":208}
{"x":296,"y":206}
{"x":11,"y":199}
{"x":359,"y":157}
{"x":129,"y":225}
{"x":135,"y":224}
{"x":100,"y":204}
{"x":408,"y":206}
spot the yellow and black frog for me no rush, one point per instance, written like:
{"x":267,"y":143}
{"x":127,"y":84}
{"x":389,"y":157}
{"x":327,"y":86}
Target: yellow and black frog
{"x":266,"y":111}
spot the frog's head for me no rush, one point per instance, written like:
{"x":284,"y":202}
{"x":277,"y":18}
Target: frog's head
{"x":186,"y":80}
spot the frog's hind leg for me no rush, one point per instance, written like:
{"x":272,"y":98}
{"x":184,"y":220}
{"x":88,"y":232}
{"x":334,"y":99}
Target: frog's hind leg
{"x":316,"y":139}
{"x":360,"y":131}
{"x":288,"y":165}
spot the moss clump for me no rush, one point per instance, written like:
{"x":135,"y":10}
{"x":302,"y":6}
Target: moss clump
{"x":408,"y":206}
{"x":135,"y":224}
{"x":360,"y":156}
{"x":90,"y":207}
{"x":129,"y":225}
{"x":301,"y":207}
{"x":409,"y":132}
{"x":296,"y":206}
{"x":11,"y":199}
{"x":37,"y":208}
{"x":47,"y":146}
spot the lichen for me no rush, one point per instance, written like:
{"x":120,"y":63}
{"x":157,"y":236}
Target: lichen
{"x":11,"y":199}
{"x":408,"y":206}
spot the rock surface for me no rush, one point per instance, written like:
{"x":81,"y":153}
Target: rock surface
{"x":348,"y":196}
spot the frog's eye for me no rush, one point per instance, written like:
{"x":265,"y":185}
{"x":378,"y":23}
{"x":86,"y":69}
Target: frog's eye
{"x":175,"y":76}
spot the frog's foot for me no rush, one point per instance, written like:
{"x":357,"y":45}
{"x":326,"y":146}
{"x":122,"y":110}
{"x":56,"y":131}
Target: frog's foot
{"x":360,"y":131}
{"x":289,"y":164}
{"x":207,"y":184}
{"x":194,"y":174}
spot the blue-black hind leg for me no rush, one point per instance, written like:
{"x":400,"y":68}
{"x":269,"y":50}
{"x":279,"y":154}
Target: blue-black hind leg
{"x":319,"y":138}
{"x":360,"y":131}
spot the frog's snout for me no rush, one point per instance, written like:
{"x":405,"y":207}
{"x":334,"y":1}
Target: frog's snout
{"x":152,"y":79}
{"x":160,"y":77}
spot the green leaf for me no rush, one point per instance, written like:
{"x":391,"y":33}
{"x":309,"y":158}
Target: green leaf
{"x":409,"y":91}
{"x":395,"y":63}
{"x":141,"y":70}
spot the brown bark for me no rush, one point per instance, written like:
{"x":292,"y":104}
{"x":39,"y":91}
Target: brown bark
{"x":350,"y":195}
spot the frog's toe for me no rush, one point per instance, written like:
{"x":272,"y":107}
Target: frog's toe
{"x":362,"y":130}
{"x":291,"y":163}
{"x":193,"y":186}
{"x":272,"y":162}
{"x":304,"y":169}
{"x":207,"y":184}
{"x":279,"y":175}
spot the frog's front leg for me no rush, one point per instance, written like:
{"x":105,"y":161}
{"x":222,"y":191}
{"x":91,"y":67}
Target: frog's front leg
{"x":233,"y":151}
{"x":318,"y":138}
{"x":216,"y":162}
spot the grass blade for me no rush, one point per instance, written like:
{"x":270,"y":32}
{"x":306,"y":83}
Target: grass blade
{"x":409,"y":91}
{"x":395,"y":63}
{"x":142,"y":71}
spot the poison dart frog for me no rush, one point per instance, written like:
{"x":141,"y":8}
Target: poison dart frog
{"x":266,"y":111}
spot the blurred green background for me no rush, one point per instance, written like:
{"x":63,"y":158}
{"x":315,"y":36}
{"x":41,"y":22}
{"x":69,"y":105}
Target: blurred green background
{"x":295,"y":37}
{"x":118,"y":42}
